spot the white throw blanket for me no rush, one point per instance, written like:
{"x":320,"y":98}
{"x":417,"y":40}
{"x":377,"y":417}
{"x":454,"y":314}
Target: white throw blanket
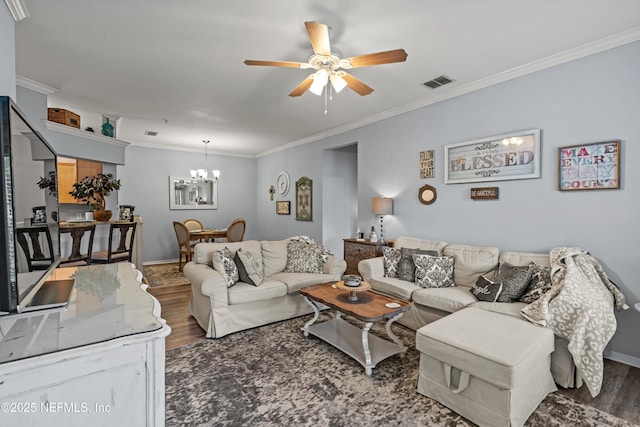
{"x":580,"y":308}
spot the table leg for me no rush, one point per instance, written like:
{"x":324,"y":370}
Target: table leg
{"x":365,"y":346}
{"x":316,"y":314}
{"x":393,"y":336}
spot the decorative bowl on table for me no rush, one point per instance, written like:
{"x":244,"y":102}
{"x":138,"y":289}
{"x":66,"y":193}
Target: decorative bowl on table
{"x":352,"y":280}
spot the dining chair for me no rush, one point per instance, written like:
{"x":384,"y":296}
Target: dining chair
{"x":38,"y":250}
{"x":78,"y":232}
{"x":184,"y":246}
{"x":235,"y":230}
{"x":193,"y":224}
{"x":122,"y":235}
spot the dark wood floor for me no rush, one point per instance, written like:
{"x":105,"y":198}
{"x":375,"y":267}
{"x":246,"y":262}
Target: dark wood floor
{"x":620,"y":393}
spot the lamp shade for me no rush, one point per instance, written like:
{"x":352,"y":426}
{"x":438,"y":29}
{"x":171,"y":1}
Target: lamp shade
{"x":382,"y":206}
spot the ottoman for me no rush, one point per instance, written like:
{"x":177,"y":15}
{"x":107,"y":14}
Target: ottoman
{"x":490,"y":368}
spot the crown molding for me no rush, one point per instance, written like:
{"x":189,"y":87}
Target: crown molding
{"x":617,"y":40}
{"x":34,"y":85}
{"x":18,"y":9}
{"x":57,"y":127}
{"x":174,"y":147}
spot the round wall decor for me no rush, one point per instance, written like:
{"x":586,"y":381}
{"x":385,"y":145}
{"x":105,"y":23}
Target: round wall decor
{"x":427,"y":194}
{"x":282,"y":183}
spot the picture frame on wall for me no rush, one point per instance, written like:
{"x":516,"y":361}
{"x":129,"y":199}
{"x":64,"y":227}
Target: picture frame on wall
{"x":594,"y":166}
{"x":304,"y":193}
{"x":283,"y":207}
{"x":503,"y":157}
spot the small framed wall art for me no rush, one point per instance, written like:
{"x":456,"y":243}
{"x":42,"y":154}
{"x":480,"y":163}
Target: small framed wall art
{"x":304,"y":193}
{"x":283,"y":207}
{"x":589,"y":166}
{"x":496,"y":158}
{"x":426,"y":164}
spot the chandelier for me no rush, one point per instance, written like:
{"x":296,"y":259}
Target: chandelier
{"x":203,"y":174}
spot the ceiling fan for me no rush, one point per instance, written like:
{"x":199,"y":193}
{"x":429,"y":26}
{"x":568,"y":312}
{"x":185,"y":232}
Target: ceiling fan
{"x":327,"y":64}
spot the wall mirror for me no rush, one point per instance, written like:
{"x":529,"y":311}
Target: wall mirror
{"x":427,"y":194}
{"x":189,"y":193}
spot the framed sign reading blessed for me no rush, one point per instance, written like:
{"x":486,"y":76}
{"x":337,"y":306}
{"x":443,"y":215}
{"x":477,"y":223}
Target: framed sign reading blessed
{"x":496,"y":158}
{"x":590,"y":166}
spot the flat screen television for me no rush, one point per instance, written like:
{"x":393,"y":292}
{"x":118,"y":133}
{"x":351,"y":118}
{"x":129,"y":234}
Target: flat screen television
{"x":29,"y":233}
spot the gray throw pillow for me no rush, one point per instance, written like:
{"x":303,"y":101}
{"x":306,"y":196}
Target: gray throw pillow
{"x":223,"y":263}
{"x":515,"y":280}
{"x":407,"y":267}
{"x":486,"y":290}
{"x":249,"y":268}
{"x":304,"y":257}
{"x":434,"y":271}
{"x":391,"y":262}
{"x":539,"y":284}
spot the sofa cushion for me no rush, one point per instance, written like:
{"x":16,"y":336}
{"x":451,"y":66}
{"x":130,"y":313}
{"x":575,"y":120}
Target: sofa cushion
{"x":391,"y":259}
{"x":471,"y":262}
{"x":515,"y":280}
{"x":295,"y":281}
{"x":414,"y":242}
{"x":393,"y":287}
{"x":224,"y":264}
{"x":243,"y":292}
{"x":539,"y":284}
{"x":249,"y":268}
{"x":304,"y":257}
{"x":486,"y":290}
{"x":407,"y":267}
{"x":274,"y":256}
{"x":445,"y":299}
{"x":434,"y":271}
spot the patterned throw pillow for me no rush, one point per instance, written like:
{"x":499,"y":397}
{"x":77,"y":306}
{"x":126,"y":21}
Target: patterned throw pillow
{"x":539,"y":284}
{"x":391,"y":262}
{"x":434,"y":271}
{"x":515,"y":280}
{"x":486,"y":290}
{"x":407,"y":267}
{"x":223,"y":263}
{"x":304,"y":257}
{"x":249,"y":268}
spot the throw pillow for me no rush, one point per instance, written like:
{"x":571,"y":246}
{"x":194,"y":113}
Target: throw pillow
{"x":303,"y":257}
{"x":515,"y":280}
{"x":223,"y":263}
{"x":407,"y":267}
{"x":486,"y":290}
{"x":434,"y":271}
{"x":539,"y":284}
{"x":249,"y":268}
{"x":391,"y":262}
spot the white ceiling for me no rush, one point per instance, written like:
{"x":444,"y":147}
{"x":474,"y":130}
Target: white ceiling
{"x":182,"y":61}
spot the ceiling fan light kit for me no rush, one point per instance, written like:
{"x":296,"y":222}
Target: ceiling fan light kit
{"x":327,"y":65}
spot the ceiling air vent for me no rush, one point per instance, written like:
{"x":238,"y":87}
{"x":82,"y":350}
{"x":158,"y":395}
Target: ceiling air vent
{"x":150,"y":132}
{"x":438,"y":81}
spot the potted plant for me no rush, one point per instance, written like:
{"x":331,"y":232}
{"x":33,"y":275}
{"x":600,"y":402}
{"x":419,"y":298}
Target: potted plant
{"x":50,"y":183}
{"x":93,"y":190}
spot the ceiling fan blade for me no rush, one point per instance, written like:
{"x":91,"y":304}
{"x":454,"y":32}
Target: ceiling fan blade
{"x":356,"y":85}
{"x":278,"y":63}
{"x":319,"y":36}
{"x":302,"y":87}
{"x":387,"y":57}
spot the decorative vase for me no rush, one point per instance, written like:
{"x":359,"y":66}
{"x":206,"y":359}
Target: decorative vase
{"x":107,"y":129}
{"x":102,"y":215}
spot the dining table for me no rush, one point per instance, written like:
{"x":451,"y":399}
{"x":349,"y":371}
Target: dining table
{"x":207,"y":234}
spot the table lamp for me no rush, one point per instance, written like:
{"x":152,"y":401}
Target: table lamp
{"x":382,"y":206}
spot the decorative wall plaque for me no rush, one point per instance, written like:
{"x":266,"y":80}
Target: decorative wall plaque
{"x":426,"y":164}
{"x":485,"y":193}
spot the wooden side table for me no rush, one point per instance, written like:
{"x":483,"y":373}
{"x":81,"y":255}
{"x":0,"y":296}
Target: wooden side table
{"x":357,"y":250}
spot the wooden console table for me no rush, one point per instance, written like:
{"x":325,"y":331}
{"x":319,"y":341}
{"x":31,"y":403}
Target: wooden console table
{"x":357,"y":250}
{"x":99,"y":362}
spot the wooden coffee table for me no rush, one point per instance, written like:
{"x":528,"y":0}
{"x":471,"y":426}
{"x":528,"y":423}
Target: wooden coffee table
{"x":370,"y":307}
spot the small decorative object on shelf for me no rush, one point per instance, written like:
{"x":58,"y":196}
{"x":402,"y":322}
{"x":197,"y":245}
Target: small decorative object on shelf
{"x":373,"y":237}
{"x":64,"y":117}
{"x":107,"y":129}
{"x":126,"y":212}
{"x":39,"y":215}
{"x":89,"y":129}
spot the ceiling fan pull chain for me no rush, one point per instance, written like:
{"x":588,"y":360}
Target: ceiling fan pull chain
{"x":326,"y":95}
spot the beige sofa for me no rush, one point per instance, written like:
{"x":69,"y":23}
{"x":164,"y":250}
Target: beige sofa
{"x":220,"y":310}
{"x":430,"y":304}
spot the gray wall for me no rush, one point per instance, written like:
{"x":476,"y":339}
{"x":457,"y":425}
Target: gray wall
{"x":145,"y":184}
{"x":588,"y":100}
{"x":7,"y":53}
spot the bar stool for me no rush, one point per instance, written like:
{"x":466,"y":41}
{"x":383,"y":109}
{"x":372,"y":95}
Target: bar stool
{"x":77,"y":233}
{"x":126,"y":233}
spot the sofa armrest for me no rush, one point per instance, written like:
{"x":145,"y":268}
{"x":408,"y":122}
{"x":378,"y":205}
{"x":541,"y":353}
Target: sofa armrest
{"x":372,"y":267}
{"x":207,"y":282}
{"x":335,"y":267}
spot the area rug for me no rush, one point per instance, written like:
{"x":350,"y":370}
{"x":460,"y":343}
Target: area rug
{"x":159,"y":275}
{"x":274,"y":376}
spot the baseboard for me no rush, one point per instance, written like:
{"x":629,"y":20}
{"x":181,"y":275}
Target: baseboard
{"x":623,"y":358}
{"x":161,"y":261}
